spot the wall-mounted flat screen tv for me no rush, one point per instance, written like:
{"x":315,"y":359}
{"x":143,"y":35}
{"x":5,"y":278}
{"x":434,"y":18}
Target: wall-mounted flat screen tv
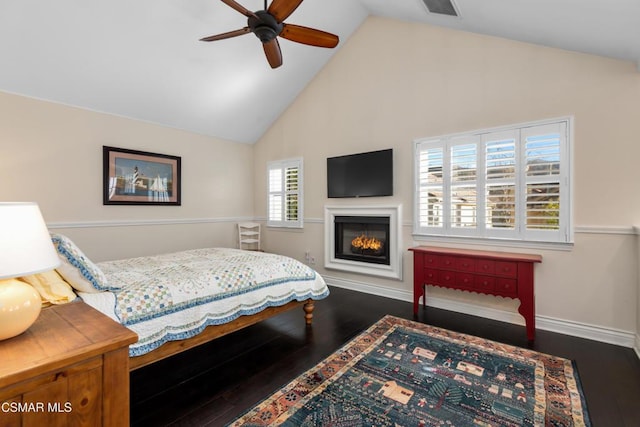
{"x":361,"y":175}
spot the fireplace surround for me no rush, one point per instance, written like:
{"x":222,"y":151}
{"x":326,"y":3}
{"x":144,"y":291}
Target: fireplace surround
{"x":364,"y":240}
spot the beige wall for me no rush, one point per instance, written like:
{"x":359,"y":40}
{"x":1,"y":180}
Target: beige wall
{"x":52,"y":154}
{"x":393,"y":82}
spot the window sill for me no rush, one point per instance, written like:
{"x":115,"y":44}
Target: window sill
{"x":286,"y":227}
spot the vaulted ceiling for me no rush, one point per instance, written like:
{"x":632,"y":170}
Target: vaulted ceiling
{"x":143,"y":59}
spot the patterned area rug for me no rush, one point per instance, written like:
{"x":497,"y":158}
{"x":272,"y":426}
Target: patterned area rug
{"x":403,"y":373}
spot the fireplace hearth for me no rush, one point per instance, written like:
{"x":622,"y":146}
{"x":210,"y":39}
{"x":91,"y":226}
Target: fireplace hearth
{"x":364,"y":240}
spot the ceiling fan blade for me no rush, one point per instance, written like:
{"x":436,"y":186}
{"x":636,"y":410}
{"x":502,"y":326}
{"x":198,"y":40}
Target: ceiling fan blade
{"x":273,"y":53}
{"x":281,"y":9}
{"x":243,"y":10}
{"x":228,"y":35}
{"x":310,"y":36}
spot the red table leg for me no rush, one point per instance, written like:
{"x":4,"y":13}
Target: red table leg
{"x":527,"y":298}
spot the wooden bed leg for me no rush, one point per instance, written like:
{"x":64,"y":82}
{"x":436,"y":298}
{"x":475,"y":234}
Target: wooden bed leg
{"x":308,"y":310}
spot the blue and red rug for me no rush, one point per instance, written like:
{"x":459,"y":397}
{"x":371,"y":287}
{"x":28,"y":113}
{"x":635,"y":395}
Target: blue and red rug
{"x":404,"y":373}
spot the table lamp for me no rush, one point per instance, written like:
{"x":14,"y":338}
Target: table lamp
{"x":25,"y":248}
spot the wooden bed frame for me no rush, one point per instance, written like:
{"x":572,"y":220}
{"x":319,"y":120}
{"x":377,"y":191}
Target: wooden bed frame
{"x":216,"y":331}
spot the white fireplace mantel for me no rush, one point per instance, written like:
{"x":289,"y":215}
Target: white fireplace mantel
{"x":393,"y":212}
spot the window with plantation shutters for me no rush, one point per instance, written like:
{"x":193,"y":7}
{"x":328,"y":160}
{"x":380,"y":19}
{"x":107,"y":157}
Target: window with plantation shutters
{"x":505,"y":183}
{"x":284,"y":202}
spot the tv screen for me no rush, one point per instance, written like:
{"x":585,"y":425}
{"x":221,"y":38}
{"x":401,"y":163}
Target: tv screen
{"x":360,"y":175}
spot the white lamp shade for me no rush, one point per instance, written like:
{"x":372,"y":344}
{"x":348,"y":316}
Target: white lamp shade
{"x":25,"y":243}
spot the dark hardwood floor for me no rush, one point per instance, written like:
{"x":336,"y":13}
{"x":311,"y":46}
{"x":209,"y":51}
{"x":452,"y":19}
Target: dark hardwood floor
{"x":216,"y":382}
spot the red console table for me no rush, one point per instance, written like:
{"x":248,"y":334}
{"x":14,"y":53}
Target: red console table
{"x":494,"y":273}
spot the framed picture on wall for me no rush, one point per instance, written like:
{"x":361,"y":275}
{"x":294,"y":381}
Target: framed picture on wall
{"x":133,"y":177}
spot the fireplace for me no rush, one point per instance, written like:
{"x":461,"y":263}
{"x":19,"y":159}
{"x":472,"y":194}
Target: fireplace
{"x":364,"y":239}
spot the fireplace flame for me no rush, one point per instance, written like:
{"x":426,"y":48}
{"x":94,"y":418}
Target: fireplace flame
{"x":364,"y":242}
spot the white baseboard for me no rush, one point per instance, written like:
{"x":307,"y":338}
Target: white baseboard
{"x":584,"y":330}
{"x":562,"y":326}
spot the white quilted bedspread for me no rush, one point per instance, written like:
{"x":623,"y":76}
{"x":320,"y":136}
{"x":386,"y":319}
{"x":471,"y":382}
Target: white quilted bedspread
{"x":175,"y":296}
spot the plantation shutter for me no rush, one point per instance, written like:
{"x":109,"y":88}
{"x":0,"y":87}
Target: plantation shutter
{"x":430,"y":188}
{"x":545,"y":182}
{"x":462,"y":197}
{"x":501,"y":183}
{"x":284,"y":203}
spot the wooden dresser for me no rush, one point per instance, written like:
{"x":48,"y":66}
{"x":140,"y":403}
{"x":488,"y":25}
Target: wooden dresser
{"x":71,"y":367}
{"x":502,"y":274}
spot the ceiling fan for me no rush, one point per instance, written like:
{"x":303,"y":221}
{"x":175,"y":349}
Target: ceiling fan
{"x":268,"y":24}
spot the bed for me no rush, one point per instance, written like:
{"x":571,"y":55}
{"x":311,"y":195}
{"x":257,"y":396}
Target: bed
{"x":180,"y":300}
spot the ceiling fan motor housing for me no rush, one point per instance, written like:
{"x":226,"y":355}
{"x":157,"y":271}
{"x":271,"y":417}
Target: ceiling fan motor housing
{"x":265,"y":26}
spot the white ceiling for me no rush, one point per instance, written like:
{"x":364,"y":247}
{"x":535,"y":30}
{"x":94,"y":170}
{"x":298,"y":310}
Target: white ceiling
{"x":142,"y":58}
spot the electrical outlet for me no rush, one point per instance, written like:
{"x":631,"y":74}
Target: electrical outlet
{"x":307,"y":256}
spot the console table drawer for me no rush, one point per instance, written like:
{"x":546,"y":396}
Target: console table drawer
{"x":507,"y":287}
{"x":431,"y":276}
{"x":485,"y":283}
{"x":507,"y":269}
{"x":465,"y":280}
{"x":432,"y":260}
{"x":465,"y":264}
{"x":447,"y":262}
{"x":447,"y":278}
{"x":485,"y":266}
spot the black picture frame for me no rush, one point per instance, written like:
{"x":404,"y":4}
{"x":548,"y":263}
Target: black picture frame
{"x":132,"y":177}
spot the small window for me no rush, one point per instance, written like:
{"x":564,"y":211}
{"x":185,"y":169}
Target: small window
{"x":506,"y":183}
{"x":285,"y":201}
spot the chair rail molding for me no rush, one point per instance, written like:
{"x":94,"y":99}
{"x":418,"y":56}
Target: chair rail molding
{"x":144,"y":222}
